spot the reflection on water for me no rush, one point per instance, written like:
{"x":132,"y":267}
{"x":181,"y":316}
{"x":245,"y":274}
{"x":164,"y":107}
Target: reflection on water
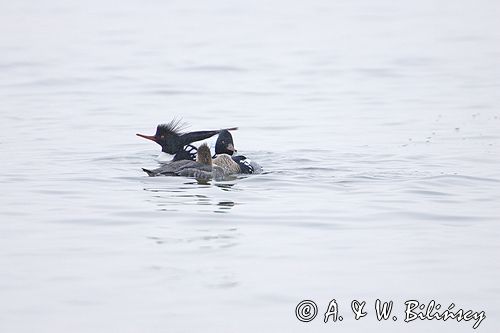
{"x":169,"y":199}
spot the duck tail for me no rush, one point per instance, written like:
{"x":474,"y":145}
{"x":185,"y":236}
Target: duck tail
{"x":149,"y":172}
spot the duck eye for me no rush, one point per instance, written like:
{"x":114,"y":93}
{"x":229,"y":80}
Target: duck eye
{"x":162,"y":137}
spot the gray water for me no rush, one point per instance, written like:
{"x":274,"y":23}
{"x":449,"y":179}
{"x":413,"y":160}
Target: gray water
{"x":376,"y":122}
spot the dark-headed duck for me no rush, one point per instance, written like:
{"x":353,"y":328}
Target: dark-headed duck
{"x":176,"y":144}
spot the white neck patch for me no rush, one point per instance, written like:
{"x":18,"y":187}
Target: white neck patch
{"x":165,"y":157}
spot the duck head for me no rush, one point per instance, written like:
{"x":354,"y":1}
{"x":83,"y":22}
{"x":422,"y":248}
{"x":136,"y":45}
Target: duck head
{"x":172,"y":139}
{"x":225,"y":144}
{"x":204,"y":155}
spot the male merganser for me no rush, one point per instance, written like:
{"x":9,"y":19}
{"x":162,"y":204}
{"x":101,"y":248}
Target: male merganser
{"x":225,"y":147}
{"x":175,"y":143}
{"x":202,"y":168}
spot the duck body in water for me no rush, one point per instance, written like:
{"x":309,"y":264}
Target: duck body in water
{"x":171,"y":139}
{"x":203,"y":168}
{"x":225,"y":147}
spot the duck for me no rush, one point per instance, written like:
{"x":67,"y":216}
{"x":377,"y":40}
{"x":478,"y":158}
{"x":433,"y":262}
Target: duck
{"x":202,"y":169}
{"x":224,"y":151}
{"x":176,"y":145}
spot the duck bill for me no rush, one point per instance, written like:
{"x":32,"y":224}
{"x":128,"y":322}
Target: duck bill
{"x":149,"y":137}
{"x":230,"y":147}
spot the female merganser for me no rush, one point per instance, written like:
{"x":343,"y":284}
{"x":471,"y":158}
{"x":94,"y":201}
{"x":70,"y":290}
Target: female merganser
{"x":174,"y":143}
{"x":203,"y":168}
{"x":227,"y":163}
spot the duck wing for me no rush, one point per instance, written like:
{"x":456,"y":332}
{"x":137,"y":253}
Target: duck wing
{"x":173,"y":168}
{"x":196,"y":173}
{"x":247,"y":165}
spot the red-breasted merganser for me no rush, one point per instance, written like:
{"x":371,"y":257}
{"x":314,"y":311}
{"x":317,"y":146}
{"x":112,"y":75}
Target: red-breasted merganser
{"x":225,"y":147}
{"x":203,"y":168}
{"x":176,"y":144}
